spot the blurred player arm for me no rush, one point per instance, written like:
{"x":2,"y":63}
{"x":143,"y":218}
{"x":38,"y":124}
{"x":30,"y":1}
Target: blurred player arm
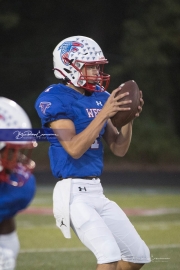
{"x":118,"y":141}
{"x":77,"y":144}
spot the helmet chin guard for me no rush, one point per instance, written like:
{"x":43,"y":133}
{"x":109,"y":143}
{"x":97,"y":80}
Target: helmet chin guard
{"x":73,"y":53}
{"x":16,"y":165}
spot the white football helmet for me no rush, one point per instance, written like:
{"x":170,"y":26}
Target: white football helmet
{"x":71,"y":54}
{"x":12,"y":153}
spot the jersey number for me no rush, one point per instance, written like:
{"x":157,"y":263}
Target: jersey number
{"x":95,"y":145}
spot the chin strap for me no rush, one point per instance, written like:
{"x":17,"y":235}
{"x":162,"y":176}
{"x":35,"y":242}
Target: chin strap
{"x":93,"y":87}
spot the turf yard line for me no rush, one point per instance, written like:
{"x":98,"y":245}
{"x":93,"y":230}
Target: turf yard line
{"x":49,"y":250}
{"x":160,"y":225}
{"x":164,"y":246}
{"x":29,"y":227}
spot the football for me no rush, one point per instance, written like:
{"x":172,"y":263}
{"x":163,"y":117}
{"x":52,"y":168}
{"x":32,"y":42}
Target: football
{"x":121,"y":118}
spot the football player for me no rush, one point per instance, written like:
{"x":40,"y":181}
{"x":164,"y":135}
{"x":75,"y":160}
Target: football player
{"x":17,"y":183}
{"x":78,"y":110}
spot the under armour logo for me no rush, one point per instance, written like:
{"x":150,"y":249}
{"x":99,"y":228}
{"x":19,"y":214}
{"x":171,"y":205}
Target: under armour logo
{"x":80,"y":188}
{"x":99,"y":103}
{"x":62,"y":223}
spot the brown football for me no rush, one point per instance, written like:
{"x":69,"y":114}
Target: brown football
{"x":121,"y":118}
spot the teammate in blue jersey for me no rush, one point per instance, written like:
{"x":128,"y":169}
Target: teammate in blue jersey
{"x":17,"y":183}
{"x":78,"y":110}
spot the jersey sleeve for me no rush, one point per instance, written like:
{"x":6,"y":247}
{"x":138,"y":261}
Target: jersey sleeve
{"x":51,"y":107}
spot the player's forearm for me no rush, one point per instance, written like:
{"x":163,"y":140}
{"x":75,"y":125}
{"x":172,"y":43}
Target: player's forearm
{"x":81,"y":142}
{"x":122,"y":142}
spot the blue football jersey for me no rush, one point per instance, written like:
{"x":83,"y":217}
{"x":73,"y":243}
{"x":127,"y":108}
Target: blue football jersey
{"x":61,"y":102}
{"x":14,"y":199}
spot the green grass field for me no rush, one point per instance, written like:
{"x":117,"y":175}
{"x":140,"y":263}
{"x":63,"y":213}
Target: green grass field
{"x":154,"y":212}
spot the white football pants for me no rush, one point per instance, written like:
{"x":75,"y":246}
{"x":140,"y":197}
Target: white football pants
{"x":102,"y":226}
{"x":9,"y":249}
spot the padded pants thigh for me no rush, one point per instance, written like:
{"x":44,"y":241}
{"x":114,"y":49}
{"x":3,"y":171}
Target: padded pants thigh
{"x":132,"y":247}
{"x":94,"y":233}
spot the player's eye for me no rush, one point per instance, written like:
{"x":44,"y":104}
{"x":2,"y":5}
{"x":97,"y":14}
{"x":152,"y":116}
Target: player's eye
{"x":94,"y":67}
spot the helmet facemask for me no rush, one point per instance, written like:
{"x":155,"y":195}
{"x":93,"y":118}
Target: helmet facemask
{"x":96,"y":83}
{"x":15,"y":159}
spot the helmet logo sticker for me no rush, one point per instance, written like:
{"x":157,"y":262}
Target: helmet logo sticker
{"x":68,"y":47}
{"x":44,"y":105}
{"x":2,"y":117}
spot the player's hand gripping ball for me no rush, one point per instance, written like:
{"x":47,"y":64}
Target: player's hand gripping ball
{"x":121,"y":118}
